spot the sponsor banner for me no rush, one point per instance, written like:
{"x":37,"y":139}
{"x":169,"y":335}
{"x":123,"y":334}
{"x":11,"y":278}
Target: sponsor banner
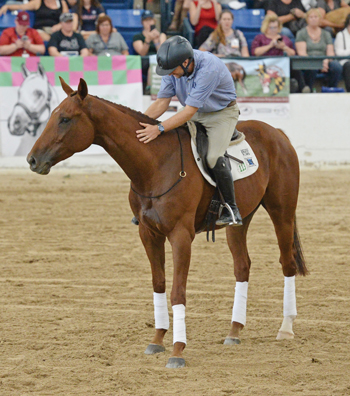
{"x":30,"y":89}
{"x":262,"y":85}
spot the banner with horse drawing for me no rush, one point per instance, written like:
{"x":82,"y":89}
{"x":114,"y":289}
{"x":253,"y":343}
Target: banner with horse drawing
{"x":30,"y":89}
{"x":262,"y":85}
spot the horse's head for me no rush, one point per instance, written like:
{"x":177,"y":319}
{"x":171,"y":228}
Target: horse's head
{"x":33,"y":104}
{"x":68,"y":131}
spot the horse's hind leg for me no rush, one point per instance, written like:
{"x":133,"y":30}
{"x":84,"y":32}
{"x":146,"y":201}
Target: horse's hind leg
{"x":237,"y":242}
{"x":154,"y":246}
{"x":281,"y":208}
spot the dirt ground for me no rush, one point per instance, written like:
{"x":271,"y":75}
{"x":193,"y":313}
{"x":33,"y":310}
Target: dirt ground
{"x":76,"y":296}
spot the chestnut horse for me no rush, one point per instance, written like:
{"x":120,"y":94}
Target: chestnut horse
{"x":170,"y":198}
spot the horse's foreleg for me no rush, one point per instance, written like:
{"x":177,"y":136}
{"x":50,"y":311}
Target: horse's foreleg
{"x":154,"y":246}
{"x":181,"y":240}
{"x":236,"y":238}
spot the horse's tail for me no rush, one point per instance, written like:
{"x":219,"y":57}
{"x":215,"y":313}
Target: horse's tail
{"x":298,"y":252}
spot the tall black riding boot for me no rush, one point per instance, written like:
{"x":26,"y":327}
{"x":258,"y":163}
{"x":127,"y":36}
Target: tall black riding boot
{"x":224,"y":181}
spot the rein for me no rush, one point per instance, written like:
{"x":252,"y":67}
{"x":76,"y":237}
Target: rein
{"x":182,"y":175}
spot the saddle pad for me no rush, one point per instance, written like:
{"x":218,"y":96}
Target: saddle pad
{"x":242,"y":151}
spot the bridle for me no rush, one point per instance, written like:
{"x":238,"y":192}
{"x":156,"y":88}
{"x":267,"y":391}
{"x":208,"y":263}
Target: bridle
{"x":34,"y":116}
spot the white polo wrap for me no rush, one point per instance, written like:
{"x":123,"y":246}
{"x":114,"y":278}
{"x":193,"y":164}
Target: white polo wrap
{"x":179,"y":323}
{"x":161,"y":314}
{"x":289,"y":299}
{"x":239,"y":311}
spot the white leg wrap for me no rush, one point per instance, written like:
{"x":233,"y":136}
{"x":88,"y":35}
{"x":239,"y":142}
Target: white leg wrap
{"x":179,"y":323}
{"x":161,"y":314}
{"x":289,"y":306}
{"x":239,"y":311}
{"x":289,"y":299}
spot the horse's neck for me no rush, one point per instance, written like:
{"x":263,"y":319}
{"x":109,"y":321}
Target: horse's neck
{"x":116,"y":133}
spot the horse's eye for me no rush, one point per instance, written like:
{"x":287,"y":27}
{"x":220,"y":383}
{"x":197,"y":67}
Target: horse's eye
{"x":64,"y":120}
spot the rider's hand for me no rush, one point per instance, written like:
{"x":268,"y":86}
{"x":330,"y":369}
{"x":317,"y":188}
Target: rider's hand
{"x":148,"y":134}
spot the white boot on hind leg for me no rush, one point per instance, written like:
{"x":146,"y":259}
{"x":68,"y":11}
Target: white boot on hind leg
{"x":289,"y":310}
{"x":286,"y":330}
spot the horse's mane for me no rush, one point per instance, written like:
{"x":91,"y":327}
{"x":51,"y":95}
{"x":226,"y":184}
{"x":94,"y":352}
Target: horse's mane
{"x":126,"y":110}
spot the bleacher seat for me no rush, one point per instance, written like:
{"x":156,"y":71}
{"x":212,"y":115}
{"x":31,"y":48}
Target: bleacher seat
{"x":117,"y":4}
{"x":248,"y":19}
{"x":128,"y":23}
{"x":188,"y":31}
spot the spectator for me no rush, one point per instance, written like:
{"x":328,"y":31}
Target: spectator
{"x":261,"y":4}
{"x":180,"y":13}
{"x":106,"y":42}
{"x":21,"y":40}
{"x":147,"y":43}
{"x":66,"y":41}
{"x":47,"y":14}
{"x":342,"y":48}
{"x":314,"y":41}
{"x":333,"y":14}
{"x":272,"y":43}
{"x":204,"y":16}
{"x":225,"y":41}
{"x":85,"y":14}
{"x":291,"y":14}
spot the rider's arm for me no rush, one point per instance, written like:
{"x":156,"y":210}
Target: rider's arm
{"x":158,"y":107}
{"x":179,"y":118}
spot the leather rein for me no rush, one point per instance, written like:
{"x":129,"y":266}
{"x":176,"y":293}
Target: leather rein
{"x":182,"y":175}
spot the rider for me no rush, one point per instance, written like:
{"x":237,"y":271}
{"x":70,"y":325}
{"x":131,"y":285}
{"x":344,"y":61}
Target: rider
{"x":205,"y":88}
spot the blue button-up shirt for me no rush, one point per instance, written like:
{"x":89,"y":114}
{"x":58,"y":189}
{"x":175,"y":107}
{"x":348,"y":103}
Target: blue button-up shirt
{"x":209,"y":88}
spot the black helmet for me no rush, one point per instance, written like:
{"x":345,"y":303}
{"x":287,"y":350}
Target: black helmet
{"x":173,"y":53}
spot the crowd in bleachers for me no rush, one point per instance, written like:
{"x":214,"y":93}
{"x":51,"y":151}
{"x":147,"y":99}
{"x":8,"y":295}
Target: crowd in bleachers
{"x":224,"y":27}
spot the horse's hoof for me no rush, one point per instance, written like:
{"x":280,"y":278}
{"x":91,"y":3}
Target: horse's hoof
{"x":175,"y":362}
{"x":232,"y":341}
{"x":152,"y":349}
{"x":283,"y":335}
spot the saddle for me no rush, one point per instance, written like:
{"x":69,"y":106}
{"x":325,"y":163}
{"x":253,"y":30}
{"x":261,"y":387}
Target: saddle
{"x":216,"y":201}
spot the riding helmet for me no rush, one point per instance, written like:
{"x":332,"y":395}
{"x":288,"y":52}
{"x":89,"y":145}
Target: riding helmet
{"x":173,"y":53}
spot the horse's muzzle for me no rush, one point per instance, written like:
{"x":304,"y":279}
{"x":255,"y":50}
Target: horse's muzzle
{"x":43,"y":168}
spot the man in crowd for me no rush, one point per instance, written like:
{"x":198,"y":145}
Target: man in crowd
{"x":66,"y":41}
{"x":21,"y":40}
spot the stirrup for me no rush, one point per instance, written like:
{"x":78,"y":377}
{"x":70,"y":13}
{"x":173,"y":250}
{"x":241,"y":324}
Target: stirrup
{"x":234,"y":222}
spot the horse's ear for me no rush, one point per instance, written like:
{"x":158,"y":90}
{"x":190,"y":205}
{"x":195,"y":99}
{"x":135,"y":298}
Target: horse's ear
{"x":66,"y":88}
{"x":41,"y":69}
{"x":82,"y":89}
{"x":25,"y":71}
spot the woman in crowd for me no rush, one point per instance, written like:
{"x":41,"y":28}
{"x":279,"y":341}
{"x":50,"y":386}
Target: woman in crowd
{"x":314,"y":41}
{"x":204,"y":16}
{"x":291,"y":13}
{"x":342,"y":48}
{"x":271,"y":43}
{"x":85,"y":15}
{"x":47,"y":14}
{"x":225,"y":41}
{"x":104,"y":41}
